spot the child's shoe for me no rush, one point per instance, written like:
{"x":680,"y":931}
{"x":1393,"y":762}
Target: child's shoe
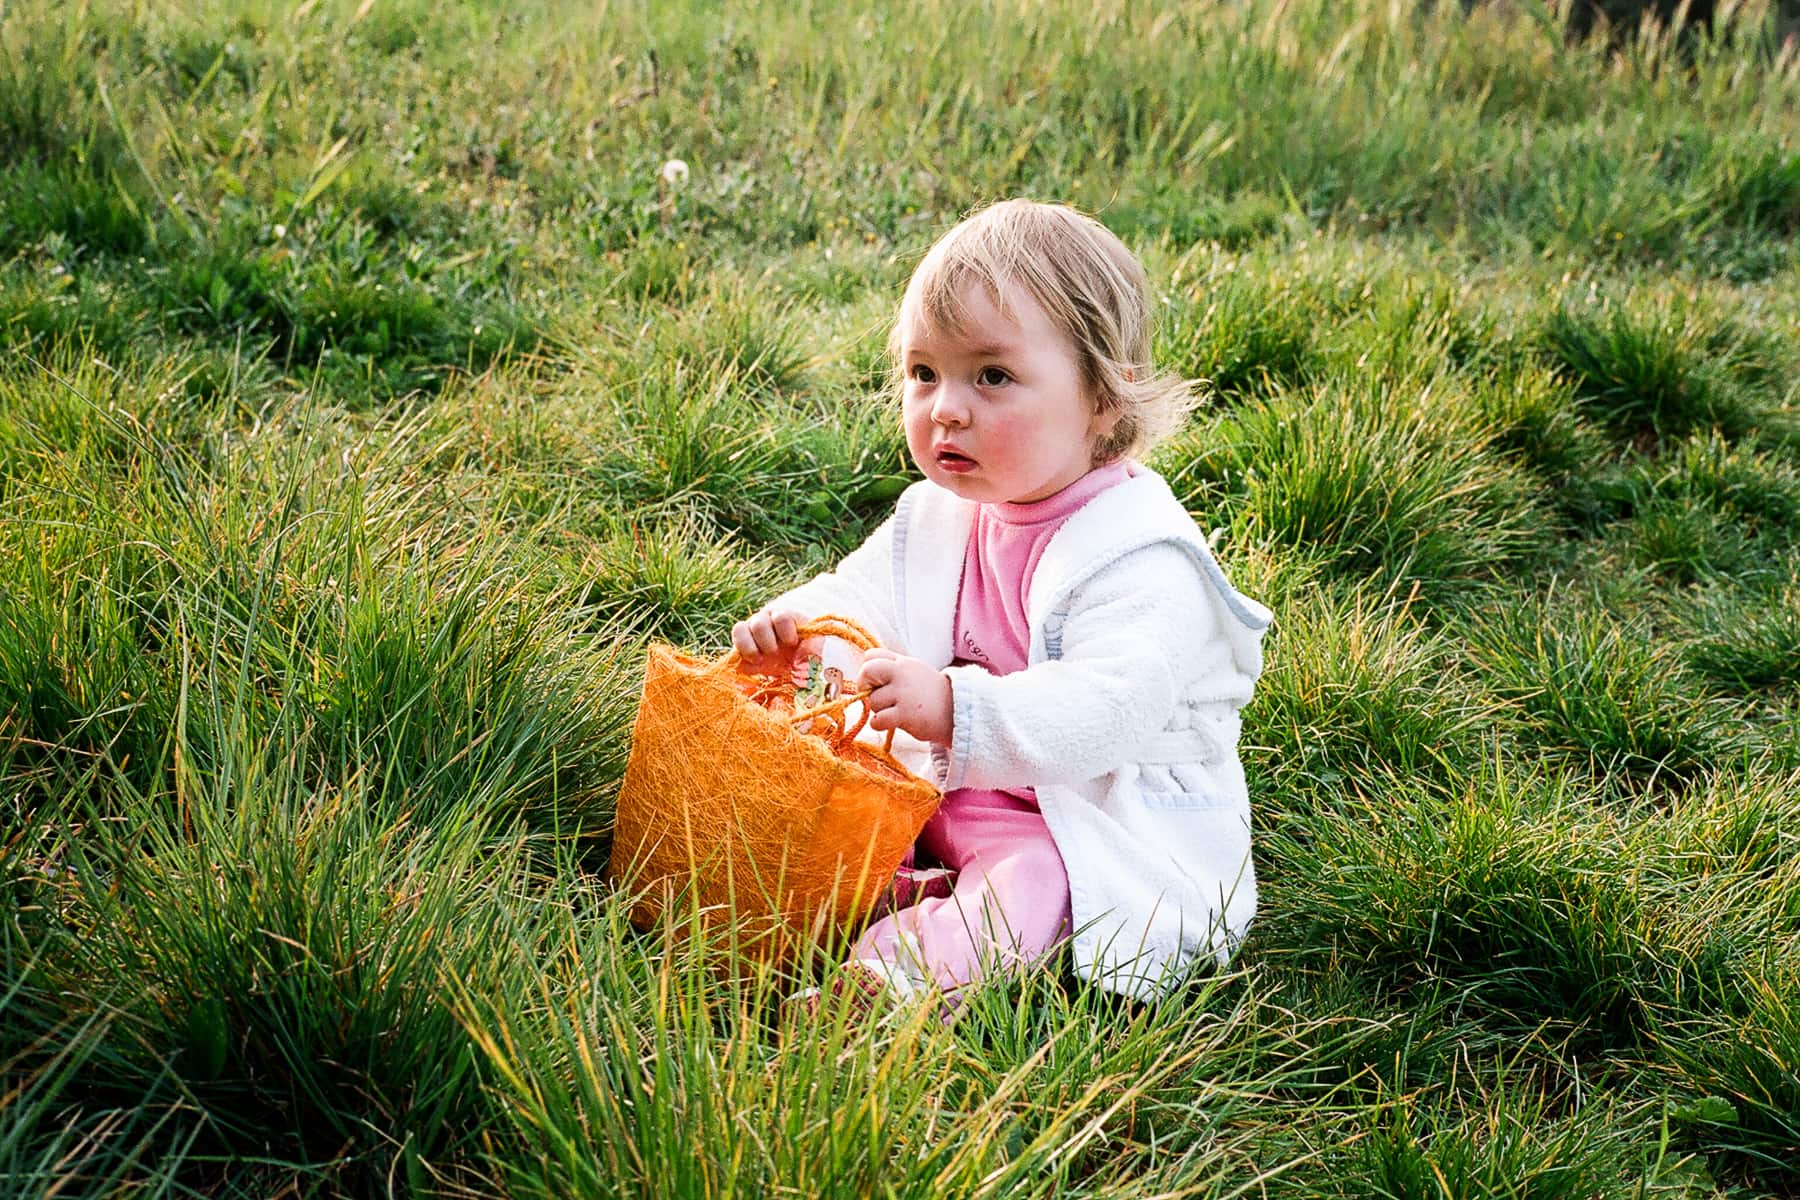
{"x":863,"y":990}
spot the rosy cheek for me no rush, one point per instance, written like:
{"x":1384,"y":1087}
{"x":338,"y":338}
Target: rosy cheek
{"x":918,"y":437}
{"x":1006,"y":430}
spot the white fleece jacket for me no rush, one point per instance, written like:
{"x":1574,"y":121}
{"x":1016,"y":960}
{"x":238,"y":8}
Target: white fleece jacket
{"x":1125,"y":719}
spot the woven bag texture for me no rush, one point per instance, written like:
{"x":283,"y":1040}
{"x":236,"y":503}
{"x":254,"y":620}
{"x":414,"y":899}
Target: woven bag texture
{"x":780,"y":831}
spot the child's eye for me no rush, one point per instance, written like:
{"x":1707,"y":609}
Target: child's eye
{"x":923,"y":373}
{"x":992,"y":377}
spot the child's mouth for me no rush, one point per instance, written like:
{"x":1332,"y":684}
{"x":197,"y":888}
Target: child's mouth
{"x":952,"y":461}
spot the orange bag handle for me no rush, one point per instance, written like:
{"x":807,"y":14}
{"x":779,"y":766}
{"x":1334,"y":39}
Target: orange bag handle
{"x":828,"y":625}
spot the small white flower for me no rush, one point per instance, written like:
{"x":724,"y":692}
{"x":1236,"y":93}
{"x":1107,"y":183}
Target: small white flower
{"x":674,"y":173}
{"x":280,"y":231}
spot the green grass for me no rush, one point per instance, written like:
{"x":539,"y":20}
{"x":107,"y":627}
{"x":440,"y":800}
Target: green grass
{"x":1599,"y":694}
{"x":369,"y":403}
{"x":1393,"y":478}
{"x":1655,"y":371}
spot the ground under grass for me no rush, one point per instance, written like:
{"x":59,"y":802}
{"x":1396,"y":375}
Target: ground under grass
{"x":369,"y":401}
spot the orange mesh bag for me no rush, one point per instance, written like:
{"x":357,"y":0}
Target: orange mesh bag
{"x":777,"y":819}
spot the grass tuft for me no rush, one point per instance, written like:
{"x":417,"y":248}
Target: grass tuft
{"x":1598,"y":694}
{"x":1369,"y":699}
{"x":1390,"y":479}
{"x":1512,"y":1146}
{"x":676,"y":580}
{"x":294,"y":983}
{"x":1512,"y":902}
{"x":1750,"y":639}
{"x":1659,"y":369}
{"x":1733,"y":1078}
{"x":1236,"y":334}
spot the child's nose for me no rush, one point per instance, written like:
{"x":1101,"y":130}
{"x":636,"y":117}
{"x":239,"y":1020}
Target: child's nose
{"x":948,"y":408}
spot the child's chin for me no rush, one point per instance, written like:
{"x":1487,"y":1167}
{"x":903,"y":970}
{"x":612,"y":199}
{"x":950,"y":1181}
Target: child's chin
{"x":969,"y":487}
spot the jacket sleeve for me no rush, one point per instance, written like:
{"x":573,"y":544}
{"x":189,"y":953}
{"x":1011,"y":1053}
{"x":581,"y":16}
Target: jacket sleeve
{"x":1139,"y":637}
{"x":860,"y":587}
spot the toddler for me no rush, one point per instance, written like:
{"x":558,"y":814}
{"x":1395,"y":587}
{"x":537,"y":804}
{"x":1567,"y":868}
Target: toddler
{"x":1059,"y":648}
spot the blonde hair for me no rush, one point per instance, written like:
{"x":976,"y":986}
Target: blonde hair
{"x":1090,"y":286}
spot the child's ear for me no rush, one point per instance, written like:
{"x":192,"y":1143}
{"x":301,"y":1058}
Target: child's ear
{"x":1109,"y":415}
{"x":1105,"y":418}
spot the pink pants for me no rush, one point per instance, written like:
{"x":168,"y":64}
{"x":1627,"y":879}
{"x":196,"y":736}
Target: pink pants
{"x":1010,"y":906}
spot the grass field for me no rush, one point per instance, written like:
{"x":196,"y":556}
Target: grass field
{"x":368,"y":402}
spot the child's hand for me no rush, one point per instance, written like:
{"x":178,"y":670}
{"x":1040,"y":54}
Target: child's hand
{"x":767,"y":643}
{"x":905,"y":693}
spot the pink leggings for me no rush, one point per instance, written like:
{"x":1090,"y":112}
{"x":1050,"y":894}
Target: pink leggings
{"x":1010,"y":906}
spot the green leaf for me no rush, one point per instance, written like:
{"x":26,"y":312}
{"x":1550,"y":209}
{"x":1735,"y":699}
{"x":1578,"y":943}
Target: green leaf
{"x":884,"y":490}
{"x":1707,"y":1110}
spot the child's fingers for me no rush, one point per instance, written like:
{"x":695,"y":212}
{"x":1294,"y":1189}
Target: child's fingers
{"x":762,"y":631}
{"x":775,"y":632}
{"x":877,"y":671}
{"x":884,"y":708}
{"x":757,"y":641}
{"x":767,"y":641}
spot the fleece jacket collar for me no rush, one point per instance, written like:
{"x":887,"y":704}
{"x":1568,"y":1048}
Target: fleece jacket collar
{"x":930,"y":564}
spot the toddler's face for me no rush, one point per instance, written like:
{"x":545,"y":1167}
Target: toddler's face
{"x":997,"y":412}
